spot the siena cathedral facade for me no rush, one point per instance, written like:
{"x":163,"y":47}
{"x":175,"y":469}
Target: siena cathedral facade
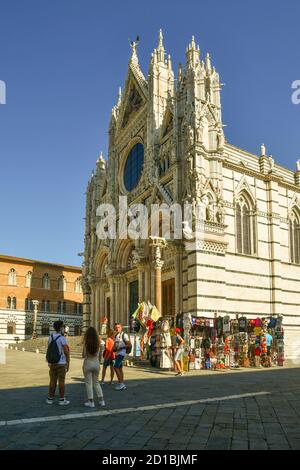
{"x":167,"y":145}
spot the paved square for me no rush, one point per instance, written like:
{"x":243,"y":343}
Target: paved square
{"x":242,"y":409}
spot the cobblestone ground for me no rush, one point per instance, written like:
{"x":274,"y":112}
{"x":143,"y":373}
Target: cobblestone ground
{"x":270,"y":420}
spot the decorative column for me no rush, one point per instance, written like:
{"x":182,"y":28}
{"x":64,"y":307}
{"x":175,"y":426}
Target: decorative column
{"x":35,"y":306}
{"x":157,"y":244}
{"x":178,"y":281}
{"x":86,"y":314}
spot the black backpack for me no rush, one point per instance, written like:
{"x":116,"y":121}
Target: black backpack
{"x":53,"y":355}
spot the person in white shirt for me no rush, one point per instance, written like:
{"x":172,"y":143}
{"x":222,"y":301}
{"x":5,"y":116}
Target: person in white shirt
{"x":121,"y":342}
{"x":58,"y":370}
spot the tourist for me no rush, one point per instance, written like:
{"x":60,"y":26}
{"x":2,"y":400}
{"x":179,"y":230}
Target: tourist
{"x":109,"y":356}
{"x":58,"y":357}
{"x":91,"y":366}
{"x":178,"y":359}
{"x":122,"y":345}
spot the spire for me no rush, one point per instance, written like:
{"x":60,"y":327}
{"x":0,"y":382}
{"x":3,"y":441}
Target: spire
{"x":169,"y":62}
{"x":101,"y":161}
{"x":160,"y":48}
{"x":208,"y":62}
{"x":193,"y":52}
{"x":119,"y":99}
{"x":179,"y":72}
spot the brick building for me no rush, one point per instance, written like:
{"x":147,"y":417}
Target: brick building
{"x":56,"y":287}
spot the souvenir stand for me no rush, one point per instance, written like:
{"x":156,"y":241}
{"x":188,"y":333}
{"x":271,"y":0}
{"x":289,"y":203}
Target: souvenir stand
{"x":221,"y":342}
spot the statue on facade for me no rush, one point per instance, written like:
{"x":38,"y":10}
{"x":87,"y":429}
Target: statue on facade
{"x":220,"y":215}
{"x":220,"y":138}
{"x":271,"y":163}
{"x":298,"y":165}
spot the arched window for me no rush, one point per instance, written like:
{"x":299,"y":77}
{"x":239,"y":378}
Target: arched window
{"x":78,"y":286}
{"x":8,"y":302}
{"x":245,"y":227}
{"x":294,"y":229}
{"x":62,"y":284}
{"x":46,"y":281}
{"x":28,"y":279}
{"x":28,"y":304}
{"x":45,"y":329}
{"x":46,"y":306}
{"x":11,"y":328}
{"x":14,"y":303}
{"x":12,"y":277}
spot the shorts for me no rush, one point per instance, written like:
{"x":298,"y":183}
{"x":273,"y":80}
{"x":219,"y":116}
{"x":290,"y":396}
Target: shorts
{"x":179,"y":355}
{"x":57,"y":372}
{"x":118,"y":361}
{"x":108,"y":362}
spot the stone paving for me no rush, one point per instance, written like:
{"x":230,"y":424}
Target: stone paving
{"x":266,"y":421}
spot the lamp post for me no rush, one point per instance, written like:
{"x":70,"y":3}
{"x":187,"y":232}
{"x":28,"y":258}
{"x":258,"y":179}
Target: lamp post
{"x":35,"y":306}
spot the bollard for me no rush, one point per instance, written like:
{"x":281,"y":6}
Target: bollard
{"x":37,"y":351}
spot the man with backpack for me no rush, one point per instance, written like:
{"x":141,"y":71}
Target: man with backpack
{"x":121,"y":348}
{"x":58,"y":357}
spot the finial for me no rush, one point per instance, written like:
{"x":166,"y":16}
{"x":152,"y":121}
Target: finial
{"x":193,"y":44}
{"x":169,"y":62}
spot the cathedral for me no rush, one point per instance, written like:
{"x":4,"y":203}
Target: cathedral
{"x":167,"y":146}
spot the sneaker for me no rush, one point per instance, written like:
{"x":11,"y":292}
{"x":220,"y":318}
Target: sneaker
{"x":90,"y":404}
{"x":63,"y":402}
{"x":120,"y":387}
{"x":102,"y":403}
{"x":102,"y":383}
{"x":49,"y":401}
{"x":111,"y":383}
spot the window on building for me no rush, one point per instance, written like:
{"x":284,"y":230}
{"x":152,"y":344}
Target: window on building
{"x":28,"y":304}
{"x":133,"y":167}
{"x":78,"y":286}
{"x":12,"y":303}
{"x":28,"y":329}
{"x":46,"y":281}
{"x":78,"y":308}
{"x":46,"y":306}
{"x":62,"y":284}
{"x":12,"y":277}
{"x":61,"y":307}
{"x":64,"y":306}
{"x":11,"y":328}
{"x":294,"y":229}
{"x":28,"y":279}
{"x":245,"y":227}
{"x":45,"y":329}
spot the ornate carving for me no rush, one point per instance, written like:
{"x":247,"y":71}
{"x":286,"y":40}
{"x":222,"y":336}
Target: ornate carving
{"x":133,"y":105}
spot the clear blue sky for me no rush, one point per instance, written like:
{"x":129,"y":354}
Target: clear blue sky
{"x":63,"y":60}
